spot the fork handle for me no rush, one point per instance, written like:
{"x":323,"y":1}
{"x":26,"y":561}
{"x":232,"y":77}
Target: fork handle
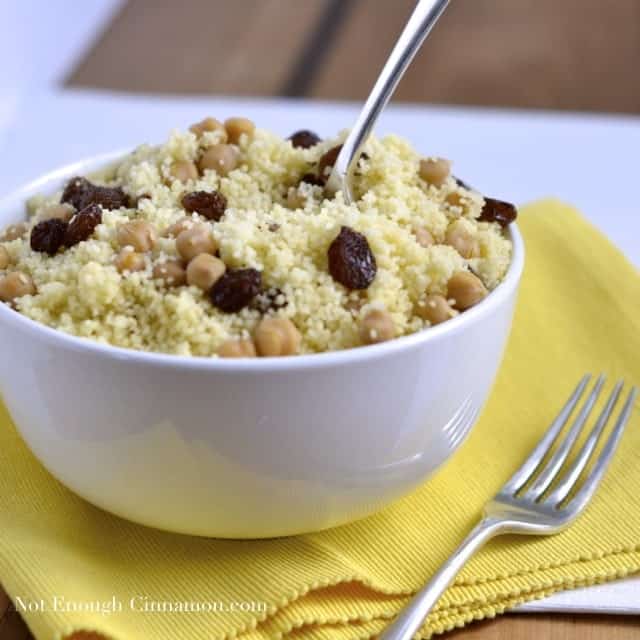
{"x":412,"y":616}
{"x":422,"y":20}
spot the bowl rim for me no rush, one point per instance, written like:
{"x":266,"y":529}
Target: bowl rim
{"x":361,"y":354}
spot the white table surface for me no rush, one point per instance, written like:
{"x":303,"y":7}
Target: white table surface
{"x":589,"y":161}
{"x":41,"y":40}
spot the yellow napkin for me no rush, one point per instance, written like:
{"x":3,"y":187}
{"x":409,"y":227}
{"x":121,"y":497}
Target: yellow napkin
{"x":578,"y":311}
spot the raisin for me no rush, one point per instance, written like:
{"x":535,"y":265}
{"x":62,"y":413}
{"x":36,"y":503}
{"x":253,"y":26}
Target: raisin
{"x":48,"y":236}
{"x":351,"y":261}
{"x":312,"y":178}
{"x":273,"y":227}
{"x":80,"y":193}
{"x":211,"y":205}
{"x":270,"y":300}
{"x":504,"y":213}
{"x":83,"y":224}
{"x":110,"y":197}
{"x":236,"y":289}
{"x":328,"y":160}
{"x":304,"y":139}
{"x":76,"y":192}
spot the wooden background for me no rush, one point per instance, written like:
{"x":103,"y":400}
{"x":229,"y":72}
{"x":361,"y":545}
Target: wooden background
{"x":556,"y":54}
{"x":551,"y":54}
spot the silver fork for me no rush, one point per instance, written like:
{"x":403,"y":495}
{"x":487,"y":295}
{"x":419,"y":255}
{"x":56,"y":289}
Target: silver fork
{"x":524,"y":504}
{"x":422,"y":20}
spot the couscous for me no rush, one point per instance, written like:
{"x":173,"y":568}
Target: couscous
{"x":223,"y":243}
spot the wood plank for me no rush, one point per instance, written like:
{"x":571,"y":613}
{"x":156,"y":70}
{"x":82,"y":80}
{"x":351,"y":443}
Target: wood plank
{"x":556,"y":627}
{"x":530,"y":53}
{"x":12,"y":626}
{"x":244,"y":47}
{"x":5,"y":603}
{"x":574,"y":54}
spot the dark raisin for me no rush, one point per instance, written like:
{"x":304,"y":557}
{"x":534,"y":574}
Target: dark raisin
{"x":504,"y":213}
{"x":312,"y":178}
{"x":351,"y":261}
{"x":80,"y":193}
{"x":76,"y":192}
{"x":210,"y":204}
{"x":273,"y":227}
{"x":270,"y":300}
{"x":236,"y":289}
{"x":82,"y":225}
{"x":48,"y":236}
{"x":326,"y":162}
{"x":304,"y":139}
{"x":110,"y":197}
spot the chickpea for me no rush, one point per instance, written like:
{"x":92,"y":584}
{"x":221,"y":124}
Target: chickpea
{"x":276,"y":337}
{"x":222,"y":158}
{"x":435,"y":309}
{"x":377,"y":326}
{"x":237,"y":349}
{"x":178,"y":227}
{"x":424,"y":238}
{"x":435,"y":171}
{"x":4,"y":258}
{"x":184,"y":170}
{"x":62,"y":212}
{"x":204,"y":271}
{"x":466,"y":289}
{"x":15,"y":285}
{"x":194,"y":241}
{"x":14,"y":232}
{"x":138,"y":234}
{"x":454,"y":199}
{"x":129,"y":260}
{"x":209,"y":124}
{"x":171,"y":272}
{"x":237,"y":127}
{"x":462,"y":240}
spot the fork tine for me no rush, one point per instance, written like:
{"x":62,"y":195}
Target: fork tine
{"x":520,"y":477}
{"x":550,"y":471}
{"x":578,"y":465}
{"x":592,"y":481}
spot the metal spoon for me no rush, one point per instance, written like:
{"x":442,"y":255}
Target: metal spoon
{"x":424,"y":16}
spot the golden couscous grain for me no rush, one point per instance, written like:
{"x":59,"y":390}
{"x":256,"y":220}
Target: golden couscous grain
{"x":271,"y":241}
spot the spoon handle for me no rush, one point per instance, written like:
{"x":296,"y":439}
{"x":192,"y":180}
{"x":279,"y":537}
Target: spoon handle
{"x":424,"y":16}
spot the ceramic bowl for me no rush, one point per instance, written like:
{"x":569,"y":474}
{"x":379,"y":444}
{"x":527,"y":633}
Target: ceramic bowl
{"x":248,"y":448}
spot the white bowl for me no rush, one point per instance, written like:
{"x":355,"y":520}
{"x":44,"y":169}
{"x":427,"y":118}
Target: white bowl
{"x":248,"y":448}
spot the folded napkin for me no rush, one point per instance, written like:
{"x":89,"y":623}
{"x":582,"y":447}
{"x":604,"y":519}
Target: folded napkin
{"x":79,"y":568}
